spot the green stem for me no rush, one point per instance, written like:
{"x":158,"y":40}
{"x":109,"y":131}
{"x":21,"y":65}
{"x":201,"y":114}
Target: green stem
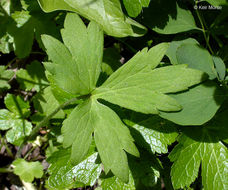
{"x":6,"y":170}
{"x":6,"y":146}
{"x":45,"y":120}
{"x":204,"y":32}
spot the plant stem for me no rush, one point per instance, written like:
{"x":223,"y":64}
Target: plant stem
{"x":5,"y":170}
{"x":6,"y":146}
{"x":45,"y":120}
{"x":204,"y":32}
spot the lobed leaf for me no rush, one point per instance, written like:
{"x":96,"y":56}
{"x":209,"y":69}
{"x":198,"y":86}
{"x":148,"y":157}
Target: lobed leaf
{"x":5,"y":76}
{"x":27,"y":171}
{"x":17,"y":128}
{"x":204,"y":149}
{"x":153,"y":134}
{"x":107,"y":13}
{"x":64,"y":175}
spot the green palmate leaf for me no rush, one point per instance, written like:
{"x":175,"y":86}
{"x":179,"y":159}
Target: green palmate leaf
{"x":111,"y":136}
{"x":32,"y":77}
{"x":154,"y":134}
{"x":199,"y":146}
{"x":107,"y":13}
{"x":64,"y":175}
{"x":201,"y":60}
{"x":145,"y":91}
{"x":45,"y":103}
{"x":17,"y":105}
{"x":17,"y":128}
{"x":27,"y":171}
{"x":135,"y":7}
{"x":168,"y":17}
{"x":199,"y":104}
{"x":174,"y":45}
{"x":80,"y":60}
{"x":5,"y":76}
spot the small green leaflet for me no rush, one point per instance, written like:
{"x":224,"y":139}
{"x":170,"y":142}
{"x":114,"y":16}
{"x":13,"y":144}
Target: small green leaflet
{"x":5,"y":76}
{"x":220,"y":67}
{"x":107,"y":13}
{"x":199,"y":146}
{"x":14,"y":121}
{"x":79,"y":60}
{"x":64,"y":175}
{"x":134,"y":7}
{"x":27,"y":171}
{"x":168,"y":17}
{"x":153,"y":134}
{"x":32,"y":77}
{"x":199,"y":104}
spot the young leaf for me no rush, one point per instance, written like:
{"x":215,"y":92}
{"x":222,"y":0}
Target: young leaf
{"x":220,"y":67}
{"x":80,"y":60}
{"x":17,"y":128}
{"x":145,"y":90}
{"x":199,"y":104}
{"x":168,"y":17}
{"x":27,"y":171}
{"x":5,"y":76}
{"x":63,"y":174}
{"x":135,"y":7}
{"x":199,"y":146}
{"x":201,"y":60}
{"x":107,"y":13}
{"x":153,"y":134}
{"x":32,"y":77}
{"x":111,"y":136}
